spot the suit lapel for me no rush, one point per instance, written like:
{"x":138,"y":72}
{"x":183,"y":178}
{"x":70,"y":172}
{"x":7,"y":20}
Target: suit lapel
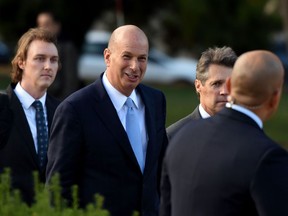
{"x":152,"y":151}
{"x":21,"y":123}
{"x":196,"y":113}
{"x":108,"y":115}
{"x":51,"y":106}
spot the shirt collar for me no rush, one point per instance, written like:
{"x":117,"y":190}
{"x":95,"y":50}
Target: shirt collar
{"x":134,"y":97}
{"x":25,"y":98}
{"x":117,"y":98}
{"x":203,"y":113}
{"x":246,"y":112}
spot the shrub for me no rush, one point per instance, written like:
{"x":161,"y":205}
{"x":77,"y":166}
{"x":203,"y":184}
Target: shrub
{"x":12,"y":205}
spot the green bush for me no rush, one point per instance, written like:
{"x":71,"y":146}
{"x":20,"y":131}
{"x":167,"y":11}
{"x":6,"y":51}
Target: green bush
{"x":12,"y":205}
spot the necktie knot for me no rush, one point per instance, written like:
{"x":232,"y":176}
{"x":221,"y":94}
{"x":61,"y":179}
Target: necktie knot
{"x":37,"y":105}
{"x":129,"y":103}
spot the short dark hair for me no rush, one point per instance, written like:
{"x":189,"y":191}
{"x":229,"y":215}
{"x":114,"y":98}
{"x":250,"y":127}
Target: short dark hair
{"x":218,"y":55}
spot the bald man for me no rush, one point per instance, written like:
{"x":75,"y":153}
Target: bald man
{"x":226,"y":165}
{"x":89,"y":145}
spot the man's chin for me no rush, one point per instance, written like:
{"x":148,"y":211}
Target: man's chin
{"x":220,"y":105}
{"x":46,"y":85}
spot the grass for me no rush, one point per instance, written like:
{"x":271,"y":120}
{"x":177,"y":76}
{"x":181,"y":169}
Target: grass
{"x":182,"y":100}
{"x":276,"y":126}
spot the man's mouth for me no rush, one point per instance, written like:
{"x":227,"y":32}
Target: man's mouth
{"x":132,"y":76}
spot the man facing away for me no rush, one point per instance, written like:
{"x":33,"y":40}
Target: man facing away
{"x":89,"y":146}
{"x":226,"y":165}
{"x":213,"y":68}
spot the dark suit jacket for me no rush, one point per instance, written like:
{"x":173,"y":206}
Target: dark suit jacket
{"x":5,"y":119}
{"x":174,"y":128}
{"x":19,"y":153}
{"x":224,"y":166}
{"x":89,"y":147}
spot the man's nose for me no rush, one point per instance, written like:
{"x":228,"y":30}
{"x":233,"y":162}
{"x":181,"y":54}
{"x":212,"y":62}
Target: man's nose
{"x":224,"y":90}
{"x":134,"y":64}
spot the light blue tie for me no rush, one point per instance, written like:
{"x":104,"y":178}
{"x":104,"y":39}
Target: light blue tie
{"x":42,"y":134}
{"x":133,"y":132}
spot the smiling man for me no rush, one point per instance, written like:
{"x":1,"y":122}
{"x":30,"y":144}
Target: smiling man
{"x":89,"y":143}
{"x":214,"y":67}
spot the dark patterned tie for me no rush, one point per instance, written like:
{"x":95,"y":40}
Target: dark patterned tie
{"x":42,"y":134}
{"x":133,"y":132}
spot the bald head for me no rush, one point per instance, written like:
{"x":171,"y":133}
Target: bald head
{"x":126,"y":58}
{"x":127,"y":34}
{"x":256,"y":77}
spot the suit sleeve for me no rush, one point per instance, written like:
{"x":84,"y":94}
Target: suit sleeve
{"x":165,"y":141}
{"x":269,"y":189}
{"x":165,"y":201}
{"x":64,"y":151}
{"x":5,"y":120}
{"x":165,"y":188}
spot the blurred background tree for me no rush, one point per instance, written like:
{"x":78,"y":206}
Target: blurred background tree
{"x":177,"y":26}
{"x":241,"y":24}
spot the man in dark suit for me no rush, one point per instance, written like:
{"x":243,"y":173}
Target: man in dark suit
{"x":34,"y":69}
{"x":89,"y":146}
{"x":226,"y":165}
{"x":213,"y":68}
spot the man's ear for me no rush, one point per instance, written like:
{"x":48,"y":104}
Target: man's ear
{"x":107,"y":55}
{"x":275,"y":98}
{"x":21,"y":64}
{"x":272,"y":104}
{"x":228,"y":84}
{"x":197,"y":84}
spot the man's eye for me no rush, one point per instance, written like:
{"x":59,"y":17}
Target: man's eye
{"x":217,"y":84}
{"x":54,"y":60}
{"x":126,"y":57}
{"x":40,"y":58}
{"x":142,"y":59}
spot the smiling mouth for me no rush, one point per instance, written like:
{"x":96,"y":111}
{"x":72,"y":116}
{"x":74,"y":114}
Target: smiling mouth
{"x":132,"y":76}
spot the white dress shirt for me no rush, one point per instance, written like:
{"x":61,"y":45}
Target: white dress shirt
{"x":246,"y":112}
{"x":203,"y":113}
{"x":26,"y":101}
{"x":118,"y":100}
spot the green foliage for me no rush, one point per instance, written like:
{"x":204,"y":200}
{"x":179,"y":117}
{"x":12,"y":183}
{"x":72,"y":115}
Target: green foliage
{"x":10,"y":201}
{"x":12,"y":205}
{"x":241,"y":24}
